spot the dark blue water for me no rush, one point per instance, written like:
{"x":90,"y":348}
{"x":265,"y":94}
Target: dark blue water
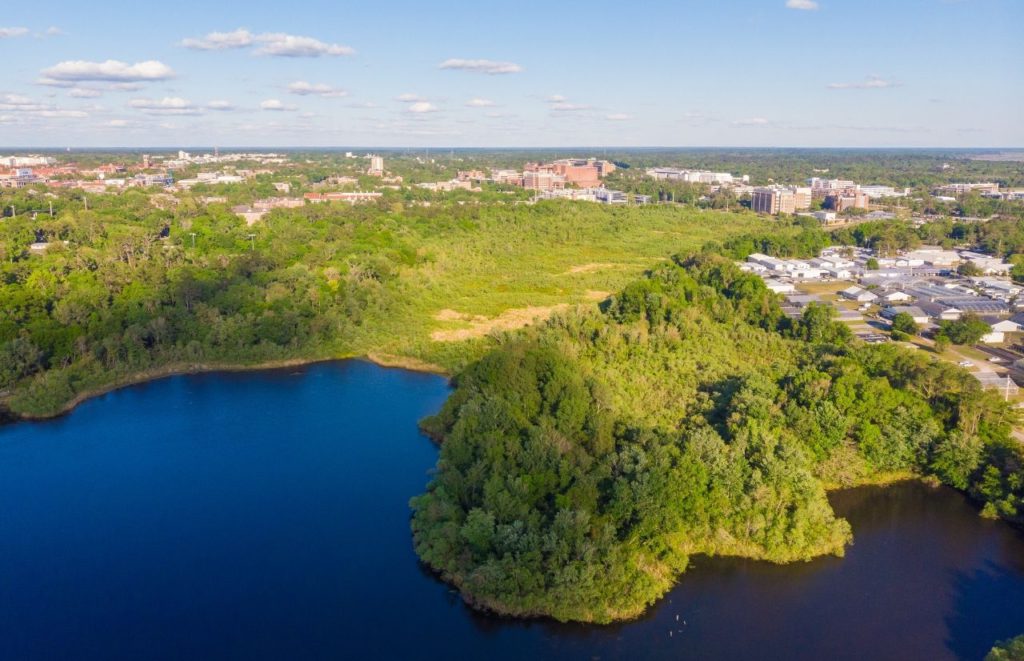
{"x":265,"y":515}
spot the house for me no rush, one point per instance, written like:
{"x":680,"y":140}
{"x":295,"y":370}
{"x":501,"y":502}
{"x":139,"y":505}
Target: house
{"x":1002,"y":325}
{"x":779,"y":287}
{"x":897,"y":297}
{"x":992,"y":381}
{"x":994,"y":337}
{"x":802,"y":300}
{"x":917,"y":314}
{"x":858,"y":294}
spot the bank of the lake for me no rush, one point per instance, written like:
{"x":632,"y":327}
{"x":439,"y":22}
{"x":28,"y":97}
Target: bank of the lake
{"x":264,"y":515}
{"x":182,"y":369}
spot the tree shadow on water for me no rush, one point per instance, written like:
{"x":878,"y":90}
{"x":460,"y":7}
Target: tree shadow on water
{"x":988,"y":606}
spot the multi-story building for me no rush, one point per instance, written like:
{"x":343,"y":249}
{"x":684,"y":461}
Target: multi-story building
{"x":585,"y":173}
{"x":376,"y":166}
{"x":963,"y":189}
{"x":850,"y":198}
{"x":507,"y":177}
{"x":542,"y":180}
{"x":18,"y":178}
{"x":875,"y":192}
{"x":823,"y":187}
{"x":780,"y":199}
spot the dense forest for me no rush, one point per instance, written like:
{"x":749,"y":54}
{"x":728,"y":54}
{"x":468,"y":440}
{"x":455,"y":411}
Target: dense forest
{"x":140,"y":284}
{"x":583,"y":461}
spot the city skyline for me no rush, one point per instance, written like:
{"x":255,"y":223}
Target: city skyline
{"x":768,"y":73}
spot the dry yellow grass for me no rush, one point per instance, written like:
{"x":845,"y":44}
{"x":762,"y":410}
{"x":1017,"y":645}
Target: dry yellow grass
{"x":481,"y":326}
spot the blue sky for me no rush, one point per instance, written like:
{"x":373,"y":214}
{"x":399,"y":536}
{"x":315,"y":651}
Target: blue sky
{"x":853,"y":73}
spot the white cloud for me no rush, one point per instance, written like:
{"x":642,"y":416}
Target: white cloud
{"x":751,"y":121}
{"x":170,"y":105}
{"x":240,"y":38}
{"x":489,"y":67}
{"x":15,"y":101}
{"x":871,"y":83}
{"x":618,"y":117}
{"x":54,"y":31}
{"x":805,"y":5}
{"x":50,"y":82}
{"x":409,"y":97}
{"x":421,"y":107}
{"x":287,"y":45}
{"x":110,"y":70}
{"x":559,"y":103}
{"x":126,"y":87}
{"x":120,"y":124}
{"x":480,"y":103}
{"x":276,"y":105}
{"x":85,"y":93}
{"x":268,"y":43}
{"x":62,"y":114}
{"x":303,"y":88}
{"x":26,"y":106}
{"x":220,"y":105}
{"x":6,"y":33}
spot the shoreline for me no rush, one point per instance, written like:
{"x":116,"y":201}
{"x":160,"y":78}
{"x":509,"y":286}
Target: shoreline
{"x":389,"y":361}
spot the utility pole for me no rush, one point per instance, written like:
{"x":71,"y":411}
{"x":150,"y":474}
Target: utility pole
{"x":193,"y":235}
{"x":252,"y":240}
{"x":86,"y":200}
{"x":51,"y":208}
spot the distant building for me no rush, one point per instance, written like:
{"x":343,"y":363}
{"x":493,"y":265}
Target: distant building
{"x":963,"y":189}
{"x":780,"y":199}
{"x":694,"y":176}
{"x":542,"y":180}
{"x":351,"y":198}
{"x":822,"y":187}
{"x":850,"y":198}
{"x":376,"y":166}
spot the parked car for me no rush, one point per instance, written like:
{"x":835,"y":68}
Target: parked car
{"x":965,"y":363}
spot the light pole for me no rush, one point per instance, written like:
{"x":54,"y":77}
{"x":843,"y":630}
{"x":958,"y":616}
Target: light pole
{"x":252,"y":240}
{"x":193,"y":235}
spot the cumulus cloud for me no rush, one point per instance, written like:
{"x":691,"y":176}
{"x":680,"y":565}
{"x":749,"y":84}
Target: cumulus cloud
{"x":276,"y":105}
{"x":751,"y":121}
{"x":26,"y":106}
{"x":303,"y":88}
{"x":805,"y":5}
{"x":85,"y":93}
{"x":7,"y":33}
{"x":62,"y":114}
{"x":559,"y":103}
{"x":480,"y":103}
{"x":268,"y":43}
{"x":421,"y":107}
{"x":53,"y":31}
{"x":120,"y":124}
{"x":618,"y":117}
{"x":871,"y":83}
{"x":240,"y":38}
{"x":219,"y":104}
{"x":169,"y":105}
{"x":110,"y":71}
{"x":489,"y":67}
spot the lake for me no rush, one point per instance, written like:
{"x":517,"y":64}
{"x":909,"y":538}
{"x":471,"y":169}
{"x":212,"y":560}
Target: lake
{"x":265,"y":515}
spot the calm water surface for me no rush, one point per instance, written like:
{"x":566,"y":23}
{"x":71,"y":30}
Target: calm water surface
{"x":265,"y":515}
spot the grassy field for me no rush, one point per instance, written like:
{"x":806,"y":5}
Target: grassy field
{"x":507,"y":272}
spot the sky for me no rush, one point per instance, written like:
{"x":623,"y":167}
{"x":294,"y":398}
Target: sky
{"x":531,"y":73}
